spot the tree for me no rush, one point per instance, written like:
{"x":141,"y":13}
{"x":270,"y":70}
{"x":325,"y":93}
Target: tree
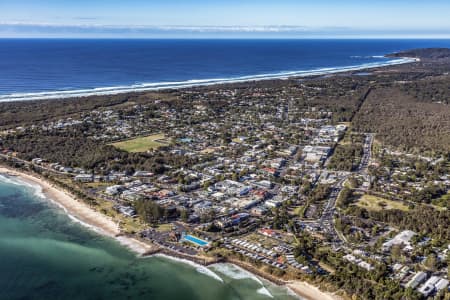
{"x":431,"y":262}
{"x":149,"y":211}
{"x":184,"y":215}
{"x":396,"y":251}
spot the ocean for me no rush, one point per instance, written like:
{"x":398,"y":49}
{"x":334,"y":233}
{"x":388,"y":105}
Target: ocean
{"x":44,"y":254}
{"x":56,"y":68}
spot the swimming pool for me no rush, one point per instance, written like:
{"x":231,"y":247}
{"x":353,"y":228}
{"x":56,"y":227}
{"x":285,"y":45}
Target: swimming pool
{"x":195,"y":240}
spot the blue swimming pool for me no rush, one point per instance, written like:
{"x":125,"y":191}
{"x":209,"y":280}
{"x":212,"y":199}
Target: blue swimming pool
{"x":195,"y":240}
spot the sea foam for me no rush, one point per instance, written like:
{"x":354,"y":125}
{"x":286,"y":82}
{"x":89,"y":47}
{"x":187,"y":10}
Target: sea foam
{"x":235,"y":272}
{"x":38,"y":193}
{"x":35,"y":188}
{"x":265,"y":292}
{"x":238,"y":273}
{"x":199,"y":268}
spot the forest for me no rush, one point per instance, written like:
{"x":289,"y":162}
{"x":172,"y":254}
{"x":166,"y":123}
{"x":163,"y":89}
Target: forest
{"x":72,"y":149}
{"x":425,"y":220}
{"x":405,"y":123}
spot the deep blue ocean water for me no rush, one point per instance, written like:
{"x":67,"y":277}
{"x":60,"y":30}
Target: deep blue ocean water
{"x":48,"y":65}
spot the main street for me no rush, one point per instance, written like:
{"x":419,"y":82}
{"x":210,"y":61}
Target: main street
{"x":326,"y":220}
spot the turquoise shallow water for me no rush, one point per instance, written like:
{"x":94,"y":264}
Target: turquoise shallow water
{"x":46,"y":255}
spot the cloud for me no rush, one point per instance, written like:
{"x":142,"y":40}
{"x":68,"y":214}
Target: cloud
{"x":179,"y":28}
{"x":86,"y":18}
{"x":24,"y":29}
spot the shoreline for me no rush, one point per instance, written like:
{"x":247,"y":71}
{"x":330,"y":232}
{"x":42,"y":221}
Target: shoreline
{"x":192,"y":83}
{"x":81,"y":213}
{"x":78,"y":211}
{"x":300,"y":288}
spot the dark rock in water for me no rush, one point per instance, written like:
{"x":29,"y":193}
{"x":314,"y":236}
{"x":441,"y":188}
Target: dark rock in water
{"x":48,"y":287}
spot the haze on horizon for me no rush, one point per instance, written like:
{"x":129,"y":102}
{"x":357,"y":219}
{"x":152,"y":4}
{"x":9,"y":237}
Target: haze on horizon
{"x":224,"y":19}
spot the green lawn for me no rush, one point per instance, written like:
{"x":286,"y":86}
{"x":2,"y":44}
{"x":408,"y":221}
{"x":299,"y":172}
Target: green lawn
{"x":442,"y":203}
{"x":142,"y":144}
{"x":164,"y":227}
{"x":376,"y":203}
{"x":299,"y":211}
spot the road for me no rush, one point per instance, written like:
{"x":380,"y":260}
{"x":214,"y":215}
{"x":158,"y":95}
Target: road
{"x":29,"y":164}
{"x":326,"y":221}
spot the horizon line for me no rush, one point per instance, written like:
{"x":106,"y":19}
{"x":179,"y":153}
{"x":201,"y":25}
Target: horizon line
{"x":9,"y":29}
{"x":336,"y":37}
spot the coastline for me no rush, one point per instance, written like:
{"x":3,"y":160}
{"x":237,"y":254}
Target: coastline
{"x":148,"y":87}
{"x":300,"y":288}
{"x":81,"y":213}
{"x":78,"y":211}
{"x":308,"y":291}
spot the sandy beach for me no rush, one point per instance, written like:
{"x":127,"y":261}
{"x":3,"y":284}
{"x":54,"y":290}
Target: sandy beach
{"x":301,"y":288}
{"x":310,"y":292}
{"x":87,"y":216}
{"x":80,"y":211}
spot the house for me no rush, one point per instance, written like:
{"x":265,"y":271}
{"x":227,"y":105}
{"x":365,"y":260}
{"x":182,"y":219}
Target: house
{"x":84,"y":178}
{"x":37,"y":161}
{"x":359,"y":262}
{"x":247,"y":203}
{"x":131,"y":196}
{"x":271,"y":171}
{"x":441,"y":284}
{"x":261,"y":194}
{"x":238,"y":218}
{"x":142,"y":174}
{"x":127,"y":211}
{"x":114,"y":190}
{"x":258,"y":211}
{"x":265,"y":183}
{"x":429,"y":286}
{"x":267,"y":232}
{"x":366,"y":265}
{"x":418,"y":278}
{"x":219,"y":196}
{"x":275,"y":202}
{"x":402,"y":239}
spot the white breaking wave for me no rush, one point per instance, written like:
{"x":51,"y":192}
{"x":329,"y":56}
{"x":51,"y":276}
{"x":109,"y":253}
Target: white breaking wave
{"x":264,"y":291}
{"x":37,"y":189}
{"x":367,"y":56}
{"x":199,"y":268}
{"x":239,"y":273}
{"x":235,"y":272}
{"x":228,"y":270}
{"x":38,"y":192}
{"x":135,"y":247}
{"x":192,"y":83}
{"x":8,"y":180}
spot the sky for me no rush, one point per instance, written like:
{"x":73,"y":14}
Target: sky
{"x":227,"y":18}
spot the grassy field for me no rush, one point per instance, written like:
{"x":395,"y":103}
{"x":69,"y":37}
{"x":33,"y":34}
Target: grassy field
{"x":376,"y":203}
{"x":164,"y":227}
{"x":300,"y":211}
{"x":265,"y":241}
{"x":142,"y":144}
